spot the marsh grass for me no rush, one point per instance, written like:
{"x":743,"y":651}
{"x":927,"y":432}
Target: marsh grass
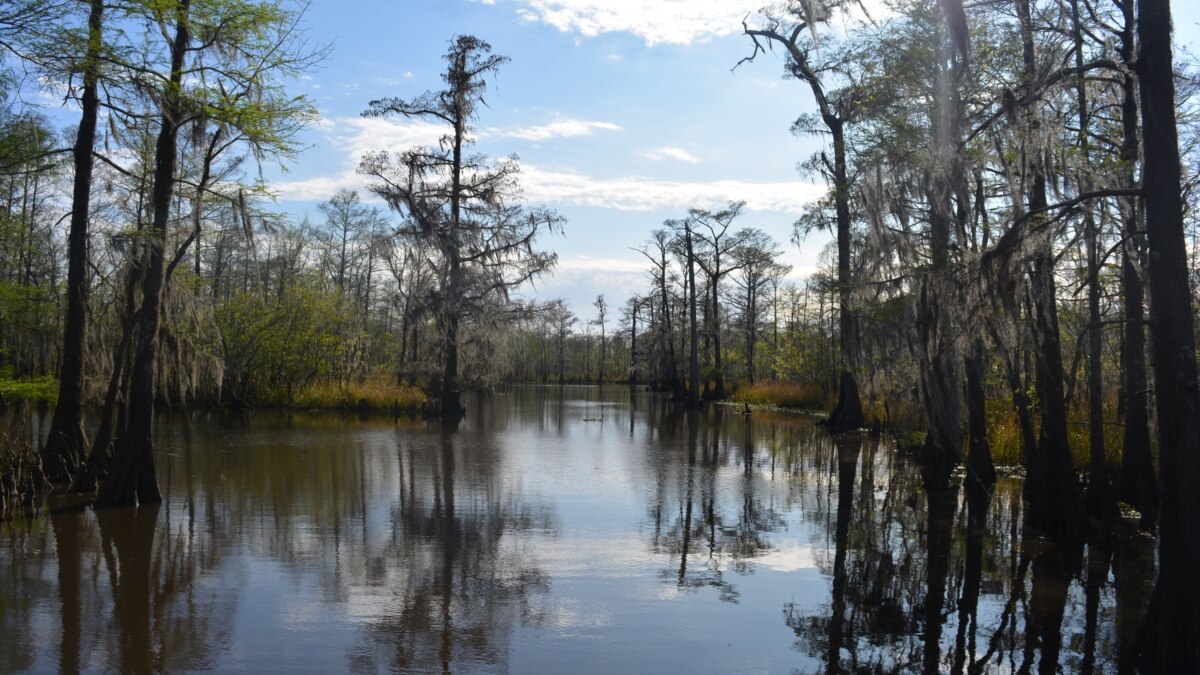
{"x":380,"y":394}
{"x":783,"y":395}
{"x":1004,"y":435}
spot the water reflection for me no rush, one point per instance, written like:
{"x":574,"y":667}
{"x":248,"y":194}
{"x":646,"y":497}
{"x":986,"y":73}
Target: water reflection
{"x":451,"y":592}
{"x":600,"y":530}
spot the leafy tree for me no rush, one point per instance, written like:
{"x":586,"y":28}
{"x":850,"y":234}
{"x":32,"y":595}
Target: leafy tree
{"x":717,"y":259}
{"x":755,"y":261}
{"x":458,"y":207}
{"x":233,"y":52}
{"x":791,"y":29}
{"x":66,"y":445}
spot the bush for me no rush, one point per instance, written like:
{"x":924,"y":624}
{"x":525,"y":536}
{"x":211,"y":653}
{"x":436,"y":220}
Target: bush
{"x":39,"y":390}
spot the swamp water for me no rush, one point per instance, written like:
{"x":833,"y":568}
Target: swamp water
{"x":570,"y":529}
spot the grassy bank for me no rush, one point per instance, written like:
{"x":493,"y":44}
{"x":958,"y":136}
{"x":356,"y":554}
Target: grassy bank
{"x":783,"y":395}
{"x":373,"y":395}
{"x":906,"y":420}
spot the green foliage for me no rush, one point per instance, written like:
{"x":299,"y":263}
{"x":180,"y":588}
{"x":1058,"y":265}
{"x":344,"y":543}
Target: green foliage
{"x":37,"y":390}
{"x":277,"y":345}
{"x":804,"y":355}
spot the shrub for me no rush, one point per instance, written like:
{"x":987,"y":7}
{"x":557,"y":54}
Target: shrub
{"x":40,"y":390}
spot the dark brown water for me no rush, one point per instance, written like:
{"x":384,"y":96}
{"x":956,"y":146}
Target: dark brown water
{"x":556,"y":530}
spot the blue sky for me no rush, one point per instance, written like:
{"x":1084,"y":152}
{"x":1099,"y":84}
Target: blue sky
{"x":623,"y":114}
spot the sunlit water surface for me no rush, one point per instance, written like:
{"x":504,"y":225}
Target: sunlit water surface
{"x":555,"y":530}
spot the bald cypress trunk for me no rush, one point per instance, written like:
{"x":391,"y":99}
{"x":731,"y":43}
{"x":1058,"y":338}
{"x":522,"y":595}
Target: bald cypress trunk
{"x":1170,"y":639}
{"x":693,"y":391}
{"x":132,"y":479}
{"x":848,"y":414}
{"x":1136,"y":483}
{"x":1052,"y":487}
{"x":66,"y":446}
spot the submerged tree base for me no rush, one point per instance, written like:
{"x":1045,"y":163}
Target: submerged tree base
{"x":848,"y":414}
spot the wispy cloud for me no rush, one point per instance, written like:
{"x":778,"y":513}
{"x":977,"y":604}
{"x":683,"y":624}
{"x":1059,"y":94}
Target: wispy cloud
{"x":660,"y":154}
{"x":627,"y":193}
{"x":637,"y":193}
{"x":654,"y":21}
{"x":355,"y":136}
{"x":562,"y":128}
{"x":583,"y":264}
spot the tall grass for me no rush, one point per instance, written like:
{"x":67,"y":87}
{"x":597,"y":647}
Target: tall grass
{"x":784,"y":395}
{"x":1004,"y":434}
{"x":378,"y":394}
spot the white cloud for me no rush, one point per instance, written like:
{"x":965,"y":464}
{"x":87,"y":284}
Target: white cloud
{"x":637,"y":193}
{"x":659,"y":154}
{"x":561,"y":128}
{"x":352,"y":137}
{"x":357,"y":136}
{"x":321,"y":188}
{"x":627,"y":193}
{"x":583,"y":264}
{"x":654,"y":21}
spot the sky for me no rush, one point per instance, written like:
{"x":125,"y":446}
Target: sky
{"x":624,"y":113}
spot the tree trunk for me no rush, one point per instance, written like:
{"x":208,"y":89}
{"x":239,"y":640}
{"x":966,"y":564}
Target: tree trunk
{"x":940,"y":382}
{"x":66,"y":446}
{"x":1170,"y":637}
{"x":633,"y":355}
{"x":848,"y":413}
{"x":1053,"y":489}
{"x":132,"y":480}
{"x":1100,"y":505}
{"x":981,"y":472}
{"x":693,"y":391}
{"x":718,"y":364}
{"x":450,"y":406}
{"x":1136,"y":483}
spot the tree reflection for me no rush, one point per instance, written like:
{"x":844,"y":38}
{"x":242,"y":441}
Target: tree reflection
{"x":910,"y":566}
{"x":459,"y":581}
{"x":421,"y":544}
{"x":721,"y":523}
{"x":941,"y":503}
{"x":849,"y":448}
